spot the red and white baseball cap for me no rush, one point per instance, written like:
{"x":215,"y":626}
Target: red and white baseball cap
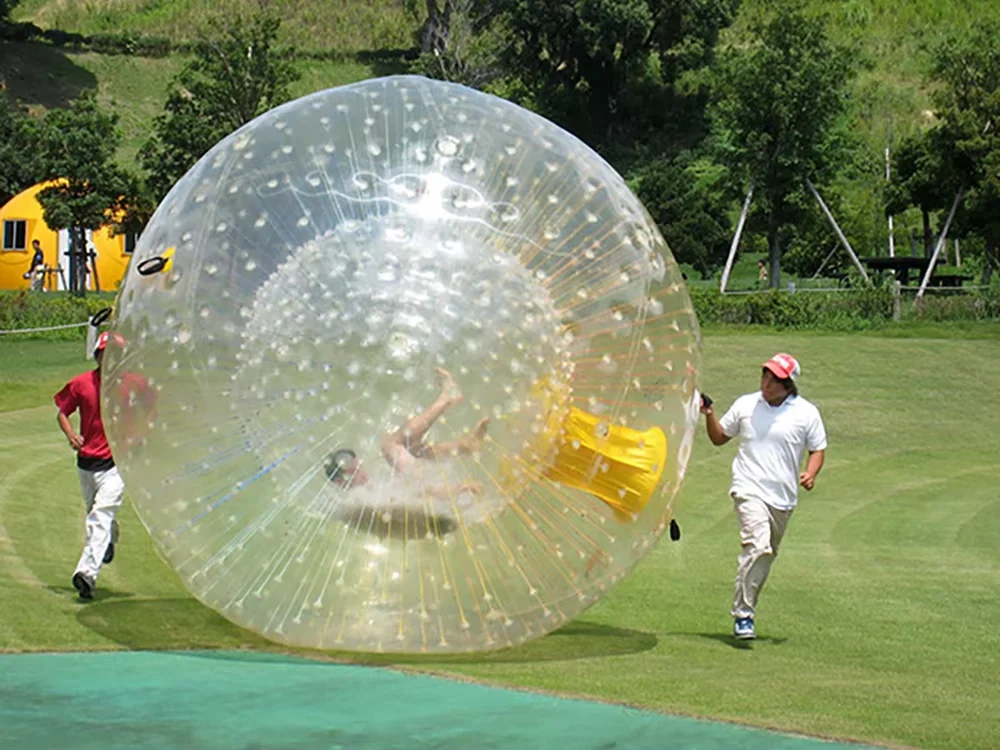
{"x":784,"y":366}
{"x":104,"y":338}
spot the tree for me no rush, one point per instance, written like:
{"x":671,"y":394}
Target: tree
{"x":923,"y":176}
{"x":460,"y":43}
{"x":236,"y":76}
{"x":967,"y":67}
{"x":608,"y":70}
{"x":779,"y":98}
{"x":19,"y":168}
{"x":689,"y":213}
{"x":77,"y":146}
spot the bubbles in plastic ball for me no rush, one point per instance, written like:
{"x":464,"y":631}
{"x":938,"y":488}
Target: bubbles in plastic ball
{"x":406,"y":368}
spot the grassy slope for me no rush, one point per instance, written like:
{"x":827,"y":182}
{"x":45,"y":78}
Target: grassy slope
{"x":877,"y":623}
{"x":340,"y":25}
{"x":136,"y":87}
{"x":890,"y":96}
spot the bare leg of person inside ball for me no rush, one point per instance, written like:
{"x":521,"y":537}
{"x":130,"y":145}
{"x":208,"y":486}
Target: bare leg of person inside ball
{"x":405,"y":447}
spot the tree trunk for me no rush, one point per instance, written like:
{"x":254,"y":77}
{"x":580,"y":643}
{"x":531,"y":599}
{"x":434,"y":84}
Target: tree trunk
{"x":78,"y":261}
{"x":774,"y":249}
{"x":434,"y":32}
{"x":928,"y":238}
{"x":989,"y":261}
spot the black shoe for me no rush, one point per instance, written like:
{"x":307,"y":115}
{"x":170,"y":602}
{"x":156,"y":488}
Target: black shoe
{"x":109,"y":553}
{"x":83,"y":585}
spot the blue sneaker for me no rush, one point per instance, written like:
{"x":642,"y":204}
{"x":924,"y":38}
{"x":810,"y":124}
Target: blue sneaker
{"x":743,"y":629}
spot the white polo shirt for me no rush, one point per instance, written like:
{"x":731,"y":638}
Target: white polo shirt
{"x":772,"y":441}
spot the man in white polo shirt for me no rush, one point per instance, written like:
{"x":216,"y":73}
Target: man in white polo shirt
{"x":776,"y":426}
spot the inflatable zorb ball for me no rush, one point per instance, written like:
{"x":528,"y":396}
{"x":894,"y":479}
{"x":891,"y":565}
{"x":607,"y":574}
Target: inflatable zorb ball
{"x":405,"y":368}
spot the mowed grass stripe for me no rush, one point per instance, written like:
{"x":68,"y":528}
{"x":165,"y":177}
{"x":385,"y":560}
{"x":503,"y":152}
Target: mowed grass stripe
{"x":876,"y":625}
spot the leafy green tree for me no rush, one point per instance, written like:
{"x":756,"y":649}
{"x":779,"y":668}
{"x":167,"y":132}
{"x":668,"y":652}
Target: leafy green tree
{"x":460,"y":41}
{"x":609,"y":70}
{"x":19,"y":166}
{"x":6,"y":6}
{"x":77,"y":145}
{"x":967,"y":99}
{"x":780,"y":96}
{"x":237,"y":75}
{"x":922,"y":176}
{"x":690,"y":213}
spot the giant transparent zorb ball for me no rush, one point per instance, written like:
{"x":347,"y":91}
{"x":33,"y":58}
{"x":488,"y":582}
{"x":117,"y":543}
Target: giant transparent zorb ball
{"x":317,"y":268}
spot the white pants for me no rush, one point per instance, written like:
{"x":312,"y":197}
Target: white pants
{"x":762,"y":528}
{"x":102,"y":496}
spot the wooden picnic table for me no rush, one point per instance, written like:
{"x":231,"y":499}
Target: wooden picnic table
{"x":948,"y":279}
{"x":902,"y":265}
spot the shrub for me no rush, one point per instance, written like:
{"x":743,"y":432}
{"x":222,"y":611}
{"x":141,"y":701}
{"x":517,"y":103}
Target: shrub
{"x":20,"y":310}
{"x":854,"y":310}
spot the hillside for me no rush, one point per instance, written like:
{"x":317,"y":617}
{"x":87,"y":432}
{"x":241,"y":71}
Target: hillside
{"x":892,"y":37}
{"x":345,"y":26}
{"x":891,"y":98}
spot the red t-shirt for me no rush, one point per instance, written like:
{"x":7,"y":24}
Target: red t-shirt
{"x":84,"y":393}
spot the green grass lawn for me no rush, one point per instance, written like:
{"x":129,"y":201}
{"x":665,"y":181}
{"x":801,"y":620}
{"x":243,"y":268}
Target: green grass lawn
{"x":878,"y":623}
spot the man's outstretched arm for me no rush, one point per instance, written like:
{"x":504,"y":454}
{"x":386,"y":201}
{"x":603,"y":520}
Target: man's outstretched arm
{"x":715,"y":431}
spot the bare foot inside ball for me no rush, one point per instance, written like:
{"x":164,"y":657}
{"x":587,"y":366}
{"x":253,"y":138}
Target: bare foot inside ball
{"x":475,"y":440}
{"x":447,"y":385}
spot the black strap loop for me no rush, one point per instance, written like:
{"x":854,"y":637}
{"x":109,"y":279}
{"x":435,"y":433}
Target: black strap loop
{"x":151,"y":265}
{"x":100,"y":316}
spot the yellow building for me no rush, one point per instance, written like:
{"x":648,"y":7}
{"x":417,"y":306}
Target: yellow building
{"x":22,"y":223}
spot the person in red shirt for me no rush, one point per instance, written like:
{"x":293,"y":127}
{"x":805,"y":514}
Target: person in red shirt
{"x":102,"y":485}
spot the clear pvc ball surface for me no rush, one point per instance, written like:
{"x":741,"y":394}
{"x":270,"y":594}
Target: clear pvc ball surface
{"x":458,"y":292}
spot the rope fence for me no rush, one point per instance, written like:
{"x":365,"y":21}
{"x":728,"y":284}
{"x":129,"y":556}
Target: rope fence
{"x":45,"y":328}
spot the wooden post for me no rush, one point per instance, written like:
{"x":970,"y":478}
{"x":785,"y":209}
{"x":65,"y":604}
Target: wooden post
{"x":897,"y":288}
{"x":836,"y":228}
{"x":736,"y":240}
{"x":958,"y":255}
{"x":940,"y":243}
{"x":91,"y":341}
{"x":892,"y":239}
{"x":826,"y":260}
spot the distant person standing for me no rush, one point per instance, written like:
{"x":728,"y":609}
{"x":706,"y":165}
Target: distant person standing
{"x":100,"y":481}
{"x":761,"y":271}
{"x":776,"y":426}
{"x":36,"y":271}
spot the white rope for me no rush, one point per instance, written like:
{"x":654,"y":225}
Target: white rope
{"x":47,"y":328}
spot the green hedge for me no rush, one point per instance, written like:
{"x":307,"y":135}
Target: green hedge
{"x":983,"y":305}
{"x":20,"y":310}
{"x":856,"y":310}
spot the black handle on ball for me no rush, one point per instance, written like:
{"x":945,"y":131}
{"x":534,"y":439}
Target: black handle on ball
{"x":100,"y":316}
{"x":151,"y":265}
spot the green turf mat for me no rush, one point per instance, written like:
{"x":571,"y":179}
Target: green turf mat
{"x":254,"y":701}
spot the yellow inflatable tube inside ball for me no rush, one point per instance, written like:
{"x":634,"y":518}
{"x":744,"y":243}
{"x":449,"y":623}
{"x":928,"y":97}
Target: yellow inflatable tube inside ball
{"x":619,"y":465}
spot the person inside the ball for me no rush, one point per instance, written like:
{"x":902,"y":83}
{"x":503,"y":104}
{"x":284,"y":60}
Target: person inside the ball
{"x":406,"y":450}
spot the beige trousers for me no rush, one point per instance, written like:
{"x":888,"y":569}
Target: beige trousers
{"x":762,"y":528}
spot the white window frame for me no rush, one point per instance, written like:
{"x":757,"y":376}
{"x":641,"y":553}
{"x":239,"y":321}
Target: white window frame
{"x":24,"y":244}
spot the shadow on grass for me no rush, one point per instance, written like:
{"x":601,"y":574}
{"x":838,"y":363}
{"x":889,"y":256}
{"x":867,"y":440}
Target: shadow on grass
{"x":729,"y":640}
{"x":163,"y":624}
{"x":579,"y":639}
{"x":184,"y":624}
{"x":42,"y":75}
{"x":100,"y":594}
